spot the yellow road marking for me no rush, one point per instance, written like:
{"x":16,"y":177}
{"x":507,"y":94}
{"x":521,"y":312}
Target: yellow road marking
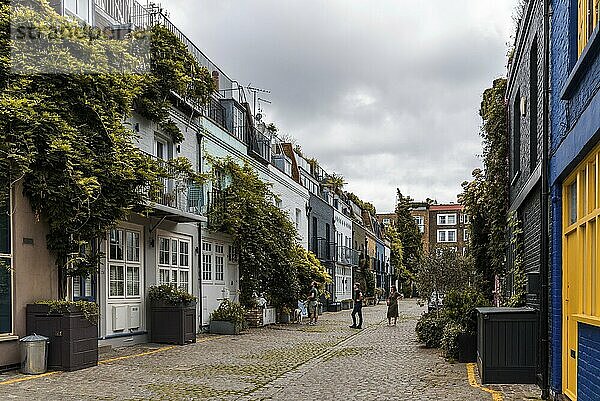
{"x":496,"y":395}
{"x":104,"y":361}
{"x":23,"y":379}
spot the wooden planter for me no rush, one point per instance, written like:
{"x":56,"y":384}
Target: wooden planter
{"x":467,"y":348}
{"x":223,"y":327}
{"x":73,"y":338}
{"x":172,"y":324}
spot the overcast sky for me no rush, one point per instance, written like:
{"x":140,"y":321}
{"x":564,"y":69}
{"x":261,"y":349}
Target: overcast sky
{"x":383,"y":92}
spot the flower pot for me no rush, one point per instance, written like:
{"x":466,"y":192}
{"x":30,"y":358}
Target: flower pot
{"x":284,"y":317}
{"x":224,"y":327}
{"x":467,"y":348}
{"x":73,"y":338}
{"x":172,"y":324}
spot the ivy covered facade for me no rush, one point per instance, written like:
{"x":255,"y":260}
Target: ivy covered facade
{"x":168,"y":236}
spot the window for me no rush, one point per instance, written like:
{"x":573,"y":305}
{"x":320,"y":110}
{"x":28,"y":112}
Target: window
{"x":467,"y":219}
{"x":298,"y":218}
{"x":83,"y":288}
{"x":420,"y":220}
{"x":588,"y":16}
{"x":206,"y":261}
{"x":446,"y":235}
{"x":446,"y":219}
{"x":79,"y":8}
{"x":219,"y":263}
{"x":572,"y":193}
{"x":533,"y":108}
{"x":124,"y":267}
{"x":466,"y":235}
{"x":5,"y":265}
{"x":174,"y":262}
{"x":516,"y":135}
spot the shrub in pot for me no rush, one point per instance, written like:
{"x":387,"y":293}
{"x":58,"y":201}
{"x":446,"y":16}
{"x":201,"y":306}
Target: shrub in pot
{"x":228,"y":318}
{"x":172,"y":315}
{"x":72,"y":328}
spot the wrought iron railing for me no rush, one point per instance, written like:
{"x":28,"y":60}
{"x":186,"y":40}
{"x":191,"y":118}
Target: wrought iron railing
{"x":259,"y":145}
{"x":346,"y":256}
{"x":216,"y":112}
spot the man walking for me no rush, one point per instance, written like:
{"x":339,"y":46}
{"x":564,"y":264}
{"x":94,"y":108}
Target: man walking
{"x":313,"y":300}
{"x":358,"y":298}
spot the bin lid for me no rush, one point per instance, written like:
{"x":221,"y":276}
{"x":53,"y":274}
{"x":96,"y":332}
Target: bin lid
{"x":492,"y":310}
{"x":33,"y":338}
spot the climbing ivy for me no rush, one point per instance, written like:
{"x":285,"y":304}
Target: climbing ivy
{"x":270,"y":260}
{"x":516,"y":272}
{"x":64,"y":136}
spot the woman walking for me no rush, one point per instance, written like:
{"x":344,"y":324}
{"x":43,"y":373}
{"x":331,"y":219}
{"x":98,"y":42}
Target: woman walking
{"x":392,"y":303}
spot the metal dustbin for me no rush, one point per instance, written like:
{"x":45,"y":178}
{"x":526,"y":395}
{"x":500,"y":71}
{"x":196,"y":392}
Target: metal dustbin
{"x":34,"y":354}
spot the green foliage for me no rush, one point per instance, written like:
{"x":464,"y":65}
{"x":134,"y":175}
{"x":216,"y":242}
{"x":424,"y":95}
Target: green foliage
{"x":362,"y":204}
{"x":335,"y":183}
{"x":430,"y":329}
{"x":460,"y":308}
{"x":310,"y":269}
{"x":170,"y":295}
{"x":408,"y":234}
{"x":90,"y":310}
{"x":486,"y":197}
{"x":516,"y":272}
{"x":64,"y":137}
{"x":229,"y":312}
{"x":449,"y":342}
{"x":444,"y":270}
{"x":270,"y":260}
{"x":173,"y":69}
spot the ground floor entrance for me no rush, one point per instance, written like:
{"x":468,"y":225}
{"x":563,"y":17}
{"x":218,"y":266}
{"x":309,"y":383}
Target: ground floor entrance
{"x":581,"y":277}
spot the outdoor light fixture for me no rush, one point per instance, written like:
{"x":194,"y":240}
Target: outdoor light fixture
{"x":523,"y":106}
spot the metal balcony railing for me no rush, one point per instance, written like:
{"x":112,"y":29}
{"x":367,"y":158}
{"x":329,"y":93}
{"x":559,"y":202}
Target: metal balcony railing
{"x":347,"y":256}
{"x":215,"y":112}
{"x":259,"y":145}
{"x":179,"y":193}
{"x":325,"y":250}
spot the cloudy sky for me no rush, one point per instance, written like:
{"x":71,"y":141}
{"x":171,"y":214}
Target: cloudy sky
{"x":383,"y":92}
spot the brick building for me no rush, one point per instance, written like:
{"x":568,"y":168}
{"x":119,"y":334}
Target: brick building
{"x":448,"y":227}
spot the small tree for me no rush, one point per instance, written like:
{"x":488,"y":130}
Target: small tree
{"x":409,"y":235}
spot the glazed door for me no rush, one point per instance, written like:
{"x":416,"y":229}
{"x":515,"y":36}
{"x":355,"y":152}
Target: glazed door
{"x":571,"y":302}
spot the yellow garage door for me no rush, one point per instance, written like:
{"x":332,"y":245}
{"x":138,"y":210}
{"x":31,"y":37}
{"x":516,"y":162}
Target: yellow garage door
{"x":581,"y":278}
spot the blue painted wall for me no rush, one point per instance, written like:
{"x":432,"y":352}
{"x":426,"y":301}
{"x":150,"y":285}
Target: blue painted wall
{"x":575,"y":130}
{"x":588,"y":374}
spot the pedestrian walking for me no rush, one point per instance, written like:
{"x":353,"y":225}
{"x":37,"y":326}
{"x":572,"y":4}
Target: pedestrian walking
{"x":392,"y":304}
{"x":358,"y":298}
{"x":313,"y":302}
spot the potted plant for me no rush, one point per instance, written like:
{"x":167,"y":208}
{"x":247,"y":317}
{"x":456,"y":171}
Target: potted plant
{"x":172,"y":315}
{"x":72,"y":328}
{"x":228,"y":318}
{"x":285,"y":315}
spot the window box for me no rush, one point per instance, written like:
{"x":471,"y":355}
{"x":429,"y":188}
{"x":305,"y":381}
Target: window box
{"x":73,"y":338}
{"x":172,"y":323}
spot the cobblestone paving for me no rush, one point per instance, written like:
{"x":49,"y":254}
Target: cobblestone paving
{"x":287,"y":362}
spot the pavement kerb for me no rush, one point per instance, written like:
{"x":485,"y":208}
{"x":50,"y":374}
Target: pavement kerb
{"x":496,"y":395}
{"x":105,"y":361}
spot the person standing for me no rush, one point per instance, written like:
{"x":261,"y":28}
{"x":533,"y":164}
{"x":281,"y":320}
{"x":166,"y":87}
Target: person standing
{"x":358,"y":298}
{"x":313,"y":301}
{"x":392,"y":303}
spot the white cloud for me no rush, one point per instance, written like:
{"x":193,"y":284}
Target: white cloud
{"x":383,"y":92}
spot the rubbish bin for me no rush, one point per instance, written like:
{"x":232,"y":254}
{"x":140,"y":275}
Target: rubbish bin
{"x":34,"y":354}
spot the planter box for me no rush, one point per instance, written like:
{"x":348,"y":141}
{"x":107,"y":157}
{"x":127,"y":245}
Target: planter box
{"x":347,"y":304}
{"x":467,"y":348}
{"x":222,"y":327}
{"x":334,"y":307}
{"x":73,"y":339}
{"x":173,"y":324}
{"x":284,"y":318}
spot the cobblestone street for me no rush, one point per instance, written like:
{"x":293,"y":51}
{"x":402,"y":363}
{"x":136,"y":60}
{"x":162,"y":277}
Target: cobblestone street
{"x":287,"y":362}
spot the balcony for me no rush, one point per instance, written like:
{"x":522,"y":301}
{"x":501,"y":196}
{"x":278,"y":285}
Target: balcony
{"x":259,"y":146}
{"x":180,"y":199}
{"x":325,"y":250}
{"x":347,"y":256}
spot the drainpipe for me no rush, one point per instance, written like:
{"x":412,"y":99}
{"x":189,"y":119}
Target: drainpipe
{"x":200,"y":315}
{"x":544,"y":262}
